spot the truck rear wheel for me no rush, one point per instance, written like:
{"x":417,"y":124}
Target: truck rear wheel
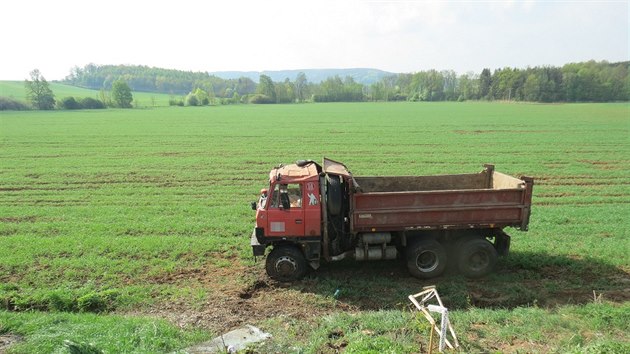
{"x":426,"y":259}
{"x":285,"y":263}
{"x":477,"y":257}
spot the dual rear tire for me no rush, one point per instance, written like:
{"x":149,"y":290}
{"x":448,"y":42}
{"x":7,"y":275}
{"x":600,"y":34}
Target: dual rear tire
{"x":426,"y":258}
{"x":474,"y":258}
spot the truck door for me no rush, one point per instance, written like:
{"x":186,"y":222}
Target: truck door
{"x":312,"y":211}
{"x":286,"y":211}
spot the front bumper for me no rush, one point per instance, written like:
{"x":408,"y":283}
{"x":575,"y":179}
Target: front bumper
{"x":257,"y":248}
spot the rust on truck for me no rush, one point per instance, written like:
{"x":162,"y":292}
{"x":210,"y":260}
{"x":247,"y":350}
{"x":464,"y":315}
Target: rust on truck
{"x":312,"y":212}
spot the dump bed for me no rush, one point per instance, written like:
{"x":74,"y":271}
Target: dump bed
{"x":487,"y":199}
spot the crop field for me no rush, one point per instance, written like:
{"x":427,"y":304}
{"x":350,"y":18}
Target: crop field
{"x":129,"y":229}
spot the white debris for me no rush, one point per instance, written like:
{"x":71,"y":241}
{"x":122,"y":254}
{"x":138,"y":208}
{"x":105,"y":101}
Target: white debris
{"x":231,"y":342}
{"x":421,"y":301}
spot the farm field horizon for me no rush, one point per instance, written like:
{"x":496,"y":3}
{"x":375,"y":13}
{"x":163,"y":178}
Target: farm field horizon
{"x":141,"y":217}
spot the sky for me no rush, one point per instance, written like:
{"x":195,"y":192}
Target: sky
{"x":243,"y":35}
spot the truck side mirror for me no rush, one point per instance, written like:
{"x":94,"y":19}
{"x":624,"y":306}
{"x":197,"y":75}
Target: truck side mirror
{"x":253,"y":205}
{"x":284,"y":200}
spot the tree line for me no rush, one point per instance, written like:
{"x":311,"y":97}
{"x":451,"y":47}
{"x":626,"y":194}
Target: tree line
{"x":575,"y":82}
{"x":590,"y":81}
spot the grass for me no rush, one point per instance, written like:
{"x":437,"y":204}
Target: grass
{"x":15,"y":90}
{"x":596,"y":328}
{"x":145,"y":211}
{"x":46,"y":333}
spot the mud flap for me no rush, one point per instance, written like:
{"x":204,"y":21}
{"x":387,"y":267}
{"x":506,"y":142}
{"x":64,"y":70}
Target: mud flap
{"x":502,"y":243}
{"x":314,"y":264}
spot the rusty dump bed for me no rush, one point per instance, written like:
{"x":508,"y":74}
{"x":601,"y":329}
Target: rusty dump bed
{"x":483,"y":200}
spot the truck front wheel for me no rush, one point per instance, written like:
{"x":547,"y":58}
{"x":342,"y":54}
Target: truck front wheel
{"x":426,"y":259}
{"x":285,"y":263}
{"x":477,"y":257}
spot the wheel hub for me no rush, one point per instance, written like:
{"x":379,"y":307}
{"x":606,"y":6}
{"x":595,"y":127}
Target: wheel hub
{"x":478,"y":260}
{"x":286,"y":266}
{"x":427,"y":261}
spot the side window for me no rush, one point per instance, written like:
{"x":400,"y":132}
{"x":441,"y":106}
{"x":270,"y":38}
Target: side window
{"x":295,"y":195}
{"x":293,"y":191}
{"x":263,"y":198}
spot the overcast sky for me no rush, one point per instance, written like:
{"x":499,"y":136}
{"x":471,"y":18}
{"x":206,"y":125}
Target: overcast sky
{"x":392,"y":35}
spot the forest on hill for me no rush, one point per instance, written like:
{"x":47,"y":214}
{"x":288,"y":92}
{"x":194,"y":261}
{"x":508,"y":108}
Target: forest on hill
{"x":150,"y":79}
{"x":361,"y":75}
{"x":590,"y":81}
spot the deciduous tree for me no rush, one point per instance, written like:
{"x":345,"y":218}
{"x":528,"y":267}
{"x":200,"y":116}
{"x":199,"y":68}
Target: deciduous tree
{"x":38,"y":91}
{"x":300,"y":87}
{"x":266,"y":87}
{"x":121,"y":94}
{"x":203,"y":99}
{"x":485,"y":81}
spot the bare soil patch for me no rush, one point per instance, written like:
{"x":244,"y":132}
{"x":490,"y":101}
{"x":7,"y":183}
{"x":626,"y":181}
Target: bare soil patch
{"x":18,"y":219}
{"x":7,"y":340}
{"x":499,"y":131}
{"x":239,"y":294}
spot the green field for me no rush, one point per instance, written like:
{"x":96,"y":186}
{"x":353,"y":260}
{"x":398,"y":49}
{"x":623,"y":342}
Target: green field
{"x":141,"y":217}
{"x":16,"y":91}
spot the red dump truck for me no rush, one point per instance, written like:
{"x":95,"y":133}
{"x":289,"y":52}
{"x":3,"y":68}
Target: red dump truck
{"x":312,"y":212}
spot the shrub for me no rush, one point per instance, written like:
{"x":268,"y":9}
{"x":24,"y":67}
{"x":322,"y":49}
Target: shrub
{"x":68,"y":103}
{"x":261,"y":99}
{"x":203,"y":99}
{"x":175,"y":102}
{"x":91,"y":103}
{"x":9,"y":104}
{"x":191,"y":100}
{"x":398,"y":97}
{"x":319,"y":98}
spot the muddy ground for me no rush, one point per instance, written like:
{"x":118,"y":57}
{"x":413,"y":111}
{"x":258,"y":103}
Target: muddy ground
{"x":242,"y":294}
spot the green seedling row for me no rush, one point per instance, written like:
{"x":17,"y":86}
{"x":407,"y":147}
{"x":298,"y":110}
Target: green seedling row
{"x":137,"y":214}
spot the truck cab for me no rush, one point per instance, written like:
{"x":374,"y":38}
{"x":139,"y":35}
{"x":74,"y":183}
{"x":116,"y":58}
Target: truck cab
{"x":289,"y":208}
{"x":288,"y":216}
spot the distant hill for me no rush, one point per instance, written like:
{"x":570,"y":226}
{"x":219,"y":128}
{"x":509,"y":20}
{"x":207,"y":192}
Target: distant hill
{"x":360,"y":75}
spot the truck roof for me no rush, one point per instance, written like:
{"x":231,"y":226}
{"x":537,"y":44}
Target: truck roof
{"x":293,"y":173}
